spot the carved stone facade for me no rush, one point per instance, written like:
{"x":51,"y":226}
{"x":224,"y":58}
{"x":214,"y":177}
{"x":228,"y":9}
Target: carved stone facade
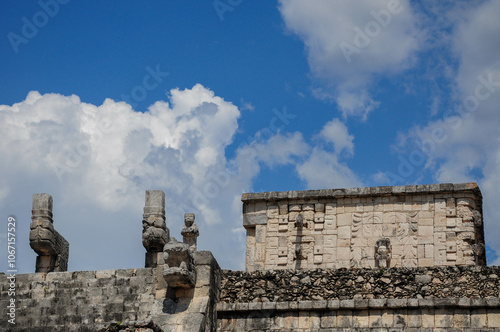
{"x":425,"y":225}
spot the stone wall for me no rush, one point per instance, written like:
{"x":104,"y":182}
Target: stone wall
{"x":472,"y":282}
{"x":81,"y":301}
{"x":113,"y":300}
{"x":411,"y":315}
{"x":462,"y":298}
{"x":408,"y":226}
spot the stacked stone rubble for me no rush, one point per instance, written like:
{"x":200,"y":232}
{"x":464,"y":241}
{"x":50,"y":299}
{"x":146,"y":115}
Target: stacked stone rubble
{"x":473,"y":282}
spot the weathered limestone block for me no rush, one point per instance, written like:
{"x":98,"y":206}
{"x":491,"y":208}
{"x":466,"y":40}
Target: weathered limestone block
{"x":179,"y":270}
{"x":51,"y":247}
{"x":190,"y":231}
{"x":155,"y":233}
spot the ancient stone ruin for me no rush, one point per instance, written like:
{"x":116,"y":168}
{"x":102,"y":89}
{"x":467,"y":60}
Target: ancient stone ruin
{"x":408,"y":258}
{"x":418,"y":226}
{"x":51,"y":247}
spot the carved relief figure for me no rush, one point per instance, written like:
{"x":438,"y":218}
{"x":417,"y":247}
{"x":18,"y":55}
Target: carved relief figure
{"x":465,"y":210}
{"x":361,"y":231}
{"x":357,"y":240}
{"x":383,"y":253}
{"x":190,"y":231}
{"x":407,"y":232}
{"x":302,"y":248}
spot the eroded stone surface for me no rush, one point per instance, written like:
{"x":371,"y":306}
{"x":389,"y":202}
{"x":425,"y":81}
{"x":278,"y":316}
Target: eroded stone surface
{"x":303,"y":285}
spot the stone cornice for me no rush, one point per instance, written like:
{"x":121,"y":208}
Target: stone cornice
{"x":364,"y":191}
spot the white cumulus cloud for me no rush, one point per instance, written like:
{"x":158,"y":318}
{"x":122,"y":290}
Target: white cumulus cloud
{"x":323,"y":168}
{"x":465,"y":144}
{"x":97,"y":162}
{"x":348,"y":42}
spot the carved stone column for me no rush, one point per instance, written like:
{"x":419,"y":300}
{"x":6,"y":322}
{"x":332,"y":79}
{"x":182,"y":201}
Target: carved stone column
{"x":190,"y":231}
{"x":155,"y":233}
{"x":51,"y":247}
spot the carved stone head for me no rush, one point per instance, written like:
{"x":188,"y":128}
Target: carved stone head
{"x":383,"y":245}
{"x":189,"y":219}
{"x":383,"y":251}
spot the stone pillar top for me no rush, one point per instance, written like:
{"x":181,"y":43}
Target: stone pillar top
{"x":42,"y":205}
{"x":155,"y":202}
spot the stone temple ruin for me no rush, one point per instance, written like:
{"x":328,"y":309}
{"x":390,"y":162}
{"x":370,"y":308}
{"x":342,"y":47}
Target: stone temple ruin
{"x":364,"y":228}
{"x":406,"y":258}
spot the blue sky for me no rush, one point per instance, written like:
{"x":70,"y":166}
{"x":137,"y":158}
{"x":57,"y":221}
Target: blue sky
{"x":101,"y":100}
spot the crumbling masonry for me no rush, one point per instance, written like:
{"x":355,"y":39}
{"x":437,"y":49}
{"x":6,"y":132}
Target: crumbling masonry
{"x":407,"y":258}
